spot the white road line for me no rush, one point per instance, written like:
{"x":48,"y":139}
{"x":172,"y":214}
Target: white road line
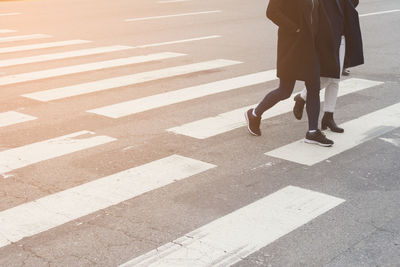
{"x":13,"y":117}
{"x":9,"y":14}
{"x":357,"y":132}
{"x":155,"y":101}
{"x":235,"y":236}
{"x":23,"y":37}
{"x":7,"y":31}
{"x":63,"y":55}
{"x":379,"y":13}
{"x":72,"y":42}
{"x":393,"y":141}
{"x":54,"y":210}
{"x":175,"y":15}
{"x":19,"y":157}
{"x":85,"y":88}
{"x":234,"y":119}
{"x":40,"y":46}
{"x":32,"y":76}
{"x":178,"y":41}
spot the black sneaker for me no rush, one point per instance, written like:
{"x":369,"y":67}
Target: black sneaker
{"x":253,"y":123}
{"x":298,"y":106}
{"x":318,"y":138}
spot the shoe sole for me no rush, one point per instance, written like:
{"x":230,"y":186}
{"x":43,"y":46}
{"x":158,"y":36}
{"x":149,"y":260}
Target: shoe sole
{"x":326,"y":128}
{"x":248,"y":124}
{"x":317,"y":143}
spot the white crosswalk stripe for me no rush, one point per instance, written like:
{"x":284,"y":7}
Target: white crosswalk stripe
{"x":54,"y":210}
{"x":358,"y":131}
{"x":6,"y":31}
{"x":379,"y":13}
{"x":41,"y":46}
{"x":155,"y":101}
{"x":63,"y":55}
{"x":33,"y":76}
{"x":174,"y":15}
{"x":19,"y":157}
{"x":178,"y":41}
{"x":233,"y":237}
{"x":23,"y":37}
{"x":231,"y":120}
{"x":133,"y":79}
{"x":9,"y":14}
{"x":13,"y":117}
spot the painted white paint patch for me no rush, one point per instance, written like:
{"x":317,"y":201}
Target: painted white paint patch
{"x":32,"y":76}
{"x":235,"y":236}
{"x":41,"y":45}
{"x":393,"y":141}
{"x":179,"y":41}
{"x":13,"y":117}
{"x":160,"y":100}
{"x":6,"y":31}
{"x":9,"y":14}
{"x":85,"y":88}
{"x":72,"y":42}
{"x":23,"y":37}
{"x":174,"y":15}
{"x":357,"y":131}
{"x":234,"y":119}
{"x":63,"y":55}
{"x":379,"y":13}
{"x":54,"y":210}
{"x":33,"y":153}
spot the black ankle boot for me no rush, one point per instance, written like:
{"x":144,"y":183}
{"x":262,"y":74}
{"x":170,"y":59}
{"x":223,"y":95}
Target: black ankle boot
{"x":298,"y":107}
{"x":327,"y":121}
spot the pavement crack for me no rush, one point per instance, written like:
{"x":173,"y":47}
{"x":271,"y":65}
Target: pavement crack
{"x":32,"y":253}
{"x":381,"y":229}
{"x":351,"y":247}
{"x":177,"y":243}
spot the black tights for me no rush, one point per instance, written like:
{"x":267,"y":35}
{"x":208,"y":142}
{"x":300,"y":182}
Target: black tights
{"x":285,"y":90}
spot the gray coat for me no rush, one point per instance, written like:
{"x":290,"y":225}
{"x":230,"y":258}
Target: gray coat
{"x":342,"y":15}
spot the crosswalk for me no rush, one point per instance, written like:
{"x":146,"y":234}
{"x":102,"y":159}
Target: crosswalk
{"x":225,"y":122}
{"x":54,"y":210}
{"x":9,"y":14}
{"x":13,"y":117}
{"x":221,"y":242}
{"x":23,"y":156}
{"x":235,"y":236}
{"x":360,"y":130}
{"x":41,"y":46}
{"x":6,"y":31}
{"x":107,"y":84}
{"x":23,"y":37}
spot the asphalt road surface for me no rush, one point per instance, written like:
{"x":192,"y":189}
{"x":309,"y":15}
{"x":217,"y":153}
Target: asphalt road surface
{"x":123,"y":140}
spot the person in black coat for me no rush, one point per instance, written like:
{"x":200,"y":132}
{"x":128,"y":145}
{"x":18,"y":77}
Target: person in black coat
{"x":299,"y":25}
{"x":345,"y":35}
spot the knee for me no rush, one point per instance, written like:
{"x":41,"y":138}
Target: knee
{"x":285,"y":95}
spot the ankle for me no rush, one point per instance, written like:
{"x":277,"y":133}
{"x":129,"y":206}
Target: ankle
{"x":254,"y":113}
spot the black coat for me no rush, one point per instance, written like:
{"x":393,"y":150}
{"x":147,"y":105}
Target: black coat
{"x":342,"y":15}
{"x":297,"y":57}
{"x":300,"y":56}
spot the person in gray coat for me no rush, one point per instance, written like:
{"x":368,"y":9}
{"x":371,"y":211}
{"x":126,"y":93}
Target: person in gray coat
{"x":348,"y":51}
